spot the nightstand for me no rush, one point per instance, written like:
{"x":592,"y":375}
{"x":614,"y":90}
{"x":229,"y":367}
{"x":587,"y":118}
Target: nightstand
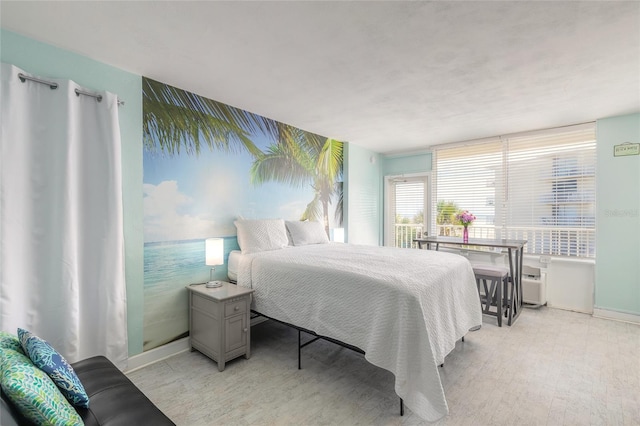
{"x":219,"y":321}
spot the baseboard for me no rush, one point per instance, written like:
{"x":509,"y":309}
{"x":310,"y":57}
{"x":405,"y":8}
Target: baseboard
{"x":157,"y":354}
{"x":165,"y":351}
{"x":616,"y":315}
{"x":569,"y":308}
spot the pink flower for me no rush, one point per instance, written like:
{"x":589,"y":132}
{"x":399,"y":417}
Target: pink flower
{"x":465,"y":218}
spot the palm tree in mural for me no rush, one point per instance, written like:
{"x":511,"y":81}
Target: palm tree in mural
{"x":176,"y":120}
{"x":301,"y":159}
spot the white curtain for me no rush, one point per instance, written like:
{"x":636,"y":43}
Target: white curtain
{"x":61,"y":233}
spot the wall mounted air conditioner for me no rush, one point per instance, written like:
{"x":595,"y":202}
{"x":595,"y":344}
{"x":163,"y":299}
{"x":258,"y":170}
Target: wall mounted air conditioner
{"x":534,"y":286}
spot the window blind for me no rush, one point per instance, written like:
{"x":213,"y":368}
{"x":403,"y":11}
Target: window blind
{"x":538,"y":186}
{"x":409,"y":201}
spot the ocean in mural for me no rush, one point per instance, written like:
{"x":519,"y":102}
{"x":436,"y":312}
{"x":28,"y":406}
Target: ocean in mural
{"x":205,"y":165}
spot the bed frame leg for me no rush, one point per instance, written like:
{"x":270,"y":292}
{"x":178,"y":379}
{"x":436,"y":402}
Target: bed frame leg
{"x":401,"y":407}
{"x":299,"y":347}
{"x":463,"y":338}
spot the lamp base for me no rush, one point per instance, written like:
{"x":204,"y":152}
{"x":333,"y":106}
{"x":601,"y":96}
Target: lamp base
{"x":214,"y":284}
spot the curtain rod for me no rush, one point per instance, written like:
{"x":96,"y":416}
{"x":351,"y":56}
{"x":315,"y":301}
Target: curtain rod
{"x":53,"y":85}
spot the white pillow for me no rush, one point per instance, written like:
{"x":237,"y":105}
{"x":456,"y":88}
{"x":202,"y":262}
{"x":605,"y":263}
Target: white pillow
{"x":261,"y":235}
{"x":304,"y":233}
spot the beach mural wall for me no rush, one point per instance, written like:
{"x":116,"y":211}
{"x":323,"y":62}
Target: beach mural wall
{"x":205,"y":165}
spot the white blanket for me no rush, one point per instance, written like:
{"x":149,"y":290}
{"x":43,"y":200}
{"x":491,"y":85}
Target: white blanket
{"x":404,"y":308}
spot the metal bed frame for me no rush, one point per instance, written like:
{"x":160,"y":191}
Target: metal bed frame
{"x":315,"y":338}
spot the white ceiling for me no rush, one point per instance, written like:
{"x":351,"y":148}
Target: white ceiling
{"x":390,"y":76}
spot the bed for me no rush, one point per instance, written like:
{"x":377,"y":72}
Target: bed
{"x":405,"y":309}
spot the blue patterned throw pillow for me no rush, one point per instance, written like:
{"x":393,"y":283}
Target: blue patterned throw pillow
{"x":33,"y":393}
{"x":51,"y":362}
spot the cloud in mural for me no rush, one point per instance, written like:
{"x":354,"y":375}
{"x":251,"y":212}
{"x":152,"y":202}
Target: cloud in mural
{"x":292,"y":210}
{"x":166,"y":216}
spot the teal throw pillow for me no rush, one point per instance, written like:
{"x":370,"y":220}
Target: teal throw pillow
{"x":33,"y":393}
{"x":10,"y":341}
{"x":51,"y":362}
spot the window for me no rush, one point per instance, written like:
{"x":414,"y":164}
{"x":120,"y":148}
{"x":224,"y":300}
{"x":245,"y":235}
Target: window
{"x":536,"y":186}
{"x":406,"y":203}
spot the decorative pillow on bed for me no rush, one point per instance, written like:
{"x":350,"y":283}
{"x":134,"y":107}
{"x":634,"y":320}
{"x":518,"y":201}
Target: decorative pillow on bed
{"x":305,"y":233}
{"x":10,"y":341}
{"x":261,"y":235}
{"x":33,"y":393}
{"x":51,"y":362}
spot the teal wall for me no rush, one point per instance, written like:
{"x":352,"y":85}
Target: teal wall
{"x":47,"y":61}
{"x":617,"y":285}
{"x":363,"y":195}
{"x":394,"y":165}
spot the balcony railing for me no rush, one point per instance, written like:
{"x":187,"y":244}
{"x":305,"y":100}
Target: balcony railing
{"x":405,"y":233}
{"x":558,"y":241}
{"x":474,"y":231}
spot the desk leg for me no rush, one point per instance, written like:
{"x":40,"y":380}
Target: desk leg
{"x":516,"y":270}
{"x":519,"y":259}
{"x":514,"y":289}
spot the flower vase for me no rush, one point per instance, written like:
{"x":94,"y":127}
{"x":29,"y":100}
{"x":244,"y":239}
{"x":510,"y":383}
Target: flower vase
{"x":465,"y":235}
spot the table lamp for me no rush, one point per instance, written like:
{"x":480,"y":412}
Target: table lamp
{"x":214,"y":256}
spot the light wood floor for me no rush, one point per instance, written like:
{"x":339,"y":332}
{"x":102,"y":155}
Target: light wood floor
{"x":552,"y":367}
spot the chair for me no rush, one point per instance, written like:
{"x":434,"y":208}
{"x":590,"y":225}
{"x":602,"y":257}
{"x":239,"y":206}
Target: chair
{"x":494,"y":281}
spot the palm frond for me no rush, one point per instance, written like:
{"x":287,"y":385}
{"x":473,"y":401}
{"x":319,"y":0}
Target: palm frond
{"x":195,"y":117}
{"x":250,"y":122}
{"x":337,"y":216}
{"x":177,"y":129}
{"x":330,"y":159}
{"x":284,"y":164}
{"x":313,"y":211}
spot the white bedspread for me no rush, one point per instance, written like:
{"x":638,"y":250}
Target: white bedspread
{"x":404,"y":308}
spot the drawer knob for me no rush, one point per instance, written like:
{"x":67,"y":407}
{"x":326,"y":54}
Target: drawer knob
{"x":245,"y":330}
{"x":237,"y":308}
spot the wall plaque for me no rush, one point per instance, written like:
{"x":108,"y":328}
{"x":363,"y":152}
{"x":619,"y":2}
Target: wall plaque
{"x":625,"y":149}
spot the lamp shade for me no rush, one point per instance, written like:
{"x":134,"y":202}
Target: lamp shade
{"x":214,"y":251}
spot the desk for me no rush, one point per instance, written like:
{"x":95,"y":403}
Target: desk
{"x":515,"y":249}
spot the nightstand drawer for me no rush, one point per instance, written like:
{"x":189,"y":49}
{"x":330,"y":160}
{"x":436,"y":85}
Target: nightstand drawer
{"x":237,"y":307}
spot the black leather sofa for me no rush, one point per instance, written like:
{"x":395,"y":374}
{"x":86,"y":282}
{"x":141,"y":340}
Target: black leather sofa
{"x":113,"y":399}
